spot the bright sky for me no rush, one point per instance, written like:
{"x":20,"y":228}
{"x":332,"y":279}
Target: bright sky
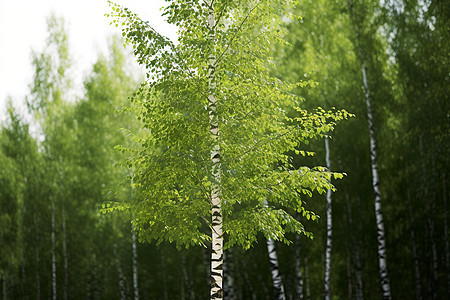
{"x":23,"y":27}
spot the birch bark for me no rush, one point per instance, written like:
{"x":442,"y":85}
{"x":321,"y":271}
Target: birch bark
{"x":216,"y":209}
{"x":329,"y":230}
{"x":275,"y":270}
{"x":382,"y":257}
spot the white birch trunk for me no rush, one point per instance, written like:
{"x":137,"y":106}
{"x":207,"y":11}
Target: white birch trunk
{"x":329,"y":230}
{"x":356,"y":251}
{"x":53,"y":237}
{"x":216,"y":207}
{"x":187,"y":278}
{"x":414,"y":249}
{"x":228,"y":272}
{"x":135,"y":270}
{"x":278,"y":287}
{"x":64,"y":237}
{"x":382,"y":257}
{"x":122,"y":290}
{"x":275,"y":270}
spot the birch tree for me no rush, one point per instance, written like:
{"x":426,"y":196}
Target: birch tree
{"x":216,"y":130}
{"x":382,"y":257}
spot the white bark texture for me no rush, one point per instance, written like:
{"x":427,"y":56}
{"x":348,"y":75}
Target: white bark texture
{"x":216,"y":209}
{"x":382,"y":257}
{"x":278,"y":288}
{"x":275,"y":270}
{"x":329,"y":230}
{"x":123,"y":294}
{"x":228,"y":273}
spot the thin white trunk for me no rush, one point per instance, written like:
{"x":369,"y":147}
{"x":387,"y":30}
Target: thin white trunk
{"x":329,"y":230}
{"x":382,"y":257}
{"x":298,"y":271}
{"x":278,"y":287}
{"x":53,"y":235}
{"x":228,"y":272}
{"x":64,"y":237}
{"x":356,"y":250}
{"x":135,"y":270}
{"x":121,"y":280}
{"x":414,"y":249}
{"x":275,"y":270}
{"x":187,"y":278}
{"x":216,"y":207}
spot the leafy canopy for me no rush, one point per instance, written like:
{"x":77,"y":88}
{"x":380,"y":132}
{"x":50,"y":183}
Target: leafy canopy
{"x":172,"y":167}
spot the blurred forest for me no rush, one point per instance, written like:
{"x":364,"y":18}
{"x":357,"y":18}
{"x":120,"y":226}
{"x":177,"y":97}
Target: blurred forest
{"x":59,"y":167}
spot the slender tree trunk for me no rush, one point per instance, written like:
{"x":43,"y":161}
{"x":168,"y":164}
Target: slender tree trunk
{"x":278,"y":288}
{"x":358,"y":266}
{"x":135,"y":270}
{"x":216,"y":201}
{"x":64,"y":235}
{"x":329,"y":230}
{"x":123,"y":294}
{"x":447,"y":250}
{"x":382,"y":257}
{"x":414,"y":248}
{"x":307,"y":284}
{"x":228,"y":272}
{"x":356,"y":250}
{"x":187,"y":278}
{"x":53,"y":236}
{"x":298,"y":271}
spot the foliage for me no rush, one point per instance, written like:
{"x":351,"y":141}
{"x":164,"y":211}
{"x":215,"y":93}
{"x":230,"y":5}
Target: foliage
{"x":173,"y":174}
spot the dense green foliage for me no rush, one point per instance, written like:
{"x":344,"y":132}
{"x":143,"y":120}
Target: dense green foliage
{"x":68,"y":161}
